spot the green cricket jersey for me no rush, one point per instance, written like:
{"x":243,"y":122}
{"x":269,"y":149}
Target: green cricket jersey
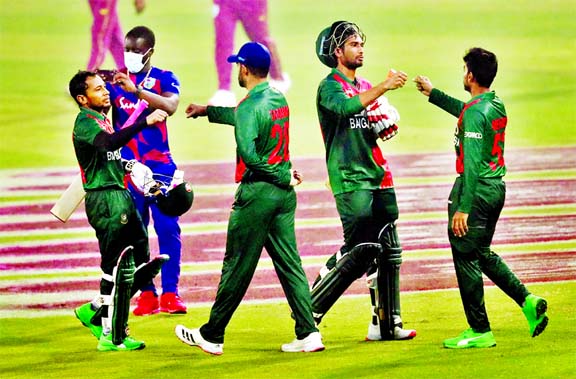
{"x":353,"y":158}
{"x":261,"y":130}
{"x":479,"y":139}
{"x":99,"y":168}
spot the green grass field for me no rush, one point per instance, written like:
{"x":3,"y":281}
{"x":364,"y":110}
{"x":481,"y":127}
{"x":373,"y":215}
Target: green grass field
{"x":43,"y":43}
{"x":55,"y":347}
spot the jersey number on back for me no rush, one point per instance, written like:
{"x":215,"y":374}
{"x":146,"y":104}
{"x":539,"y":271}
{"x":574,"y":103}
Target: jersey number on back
{"x":499,"y":127}
{"x":281,"y":151}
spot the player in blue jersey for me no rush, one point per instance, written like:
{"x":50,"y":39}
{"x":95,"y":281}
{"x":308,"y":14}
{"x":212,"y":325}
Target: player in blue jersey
{"x":161,"y":89}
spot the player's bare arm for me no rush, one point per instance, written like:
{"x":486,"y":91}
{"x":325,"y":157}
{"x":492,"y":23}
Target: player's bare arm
{"x":157,"y":116}
{"x":196,"y":110}
{"x":167,"y":101}
{"x":423,"y":84}
{"x":460,"y":224}
{"x":295,"y":178}
{"x":392,"y":82}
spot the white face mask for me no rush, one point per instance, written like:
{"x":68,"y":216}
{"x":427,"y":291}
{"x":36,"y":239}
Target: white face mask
{"x":133,"y":61}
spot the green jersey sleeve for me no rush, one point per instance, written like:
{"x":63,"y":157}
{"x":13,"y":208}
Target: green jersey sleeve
{"x":446,"y":102}
{"x":331,"y":97}
{"x":221,"y":115}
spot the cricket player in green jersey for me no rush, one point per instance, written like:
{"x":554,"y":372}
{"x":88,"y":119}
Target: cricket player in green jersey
{"x":361,"y":183}
{"x":264,"y":207}
{"x":122,"y":238}
{"x":477,"y":198}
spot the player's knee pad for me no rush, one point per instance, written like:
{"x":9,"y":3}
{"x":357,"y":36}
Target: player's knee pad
{"x":388,"y":238}
{"x":350,"y":267}
{"x":388,"y":281}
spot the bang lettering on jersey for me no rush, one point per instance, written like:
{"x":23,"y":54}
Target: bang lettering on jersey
{"x":359,"y":120}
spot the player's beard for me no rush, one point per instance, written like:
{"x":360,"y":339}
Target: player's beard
{"x":241,"y":79}
{"x":101,"y":108}
{"x":353,"y":64}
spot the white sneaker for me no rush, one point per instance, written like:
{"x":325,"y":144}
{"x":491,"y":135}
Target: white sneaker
{"x":399,"y":333}
{"x":373,"y":333}
{"x":309,"y":344}
{"x":282,"y":85}
{"x":193,"y":337}
{"x":403,"y":334}
{"x":223,"y":98}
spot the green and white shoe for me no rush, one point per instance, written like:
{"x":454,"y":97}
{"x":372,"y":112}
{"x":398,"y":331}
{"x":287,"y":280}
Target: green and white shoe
{"x":535,"y":311}
{"x":105,"y":344}
{"x":469,"y":338}
{"x":84,"y":313}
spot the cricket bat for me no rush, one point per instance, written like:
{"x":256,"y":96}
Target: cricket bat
{"x":71,"y":198}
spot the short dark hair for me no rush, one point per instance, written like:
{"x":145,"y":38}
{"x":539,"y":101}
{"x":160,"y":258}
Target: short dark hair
{"x":78,"y":85}
{"x":144,"y":33}
{"x":259,"y":72}
{"x":482,"y":64}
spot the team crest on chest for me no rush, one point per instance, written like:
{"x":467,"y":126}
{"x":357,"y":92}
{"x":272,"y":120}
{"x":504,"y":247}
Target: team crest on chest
{"x":123,"y":218}
{"x":149,"y":83}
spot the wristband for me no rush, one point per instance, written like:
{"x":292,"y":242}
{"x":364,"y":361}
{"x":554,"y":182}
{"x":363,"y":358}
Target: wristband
{"x":138,"y":91}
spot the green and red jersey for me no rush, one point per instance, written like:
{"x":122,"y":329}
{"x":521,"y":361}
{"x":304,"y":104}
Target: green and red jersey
{"x":99,"y":168}
{"x":262,"y":121}
{"x":479,"y":139}
{"x":353,"y":158}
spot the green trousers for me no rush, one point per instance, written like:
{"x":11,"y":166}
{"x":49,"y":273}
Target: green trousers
{"x":117,"y":224}
{"x":472,"y":254}
{"x":364,"y":213}
{"x":262,"y":217}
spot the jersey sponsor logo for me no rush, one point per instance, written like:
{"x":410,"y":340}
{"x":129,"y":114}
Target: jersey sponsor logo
{"x":124,"y":103}
{"x":474,"y":135}
{"x":113,"y":155}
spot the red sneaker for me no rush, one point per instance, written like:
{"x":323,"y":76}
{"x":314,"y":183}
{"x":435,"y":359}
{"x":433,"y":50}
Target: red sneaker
{"x":172,"y":303}
{"x":147,"y":304}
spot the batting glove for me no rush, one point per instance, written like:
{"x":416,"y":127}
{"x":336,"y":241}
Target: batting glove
{"x":141,"y":176}
{"x":383,"y":118}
